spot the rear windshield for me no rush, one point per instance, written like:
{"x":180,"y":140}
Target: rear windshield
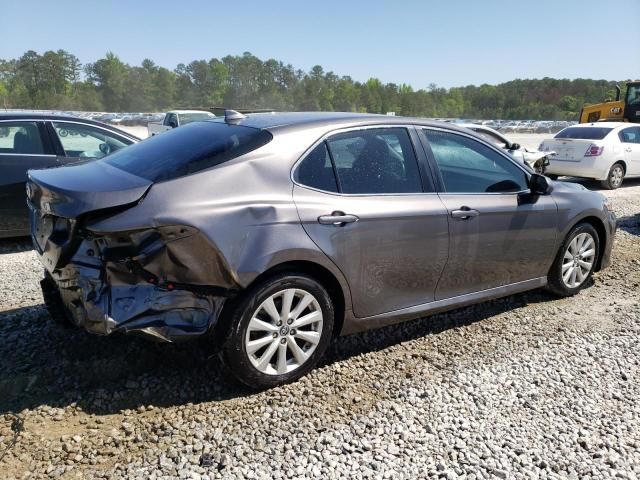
{"x":584,"y":133}
{"x":188,"y":149}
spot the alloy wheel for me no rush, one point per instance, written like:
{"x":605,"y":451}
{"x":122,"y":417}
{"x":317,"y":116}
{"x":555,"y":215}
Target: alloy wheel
{"x":616,"y":175}
{"x":578,"y":259}
{"x":284,"y":331}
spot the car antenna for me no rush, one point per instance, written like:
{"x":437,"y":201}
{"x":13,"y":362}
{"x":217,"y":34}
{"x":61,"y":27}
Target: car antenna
{"x":231,"y":116}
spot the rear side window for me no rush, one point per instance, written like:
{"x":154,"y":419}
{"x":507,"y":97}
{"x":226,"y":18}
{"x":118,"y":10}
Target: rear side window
{"x":20,"y":138}
{"x":584,"y":133}
{"x":372,"y":161}
{"x":316,"y":170}
{"x":188,"y":149}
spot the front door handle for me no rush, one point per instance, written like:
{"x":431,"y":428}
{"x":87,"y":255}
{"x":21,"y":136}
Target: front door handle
{"x":465,"y":213}
{"x":337,"y":219}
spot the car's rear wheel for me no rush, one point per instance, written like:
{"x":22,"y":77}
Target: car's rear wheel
{"x":279,"y":329}
{"x":575,"y":262}
{"x":615,"y":177}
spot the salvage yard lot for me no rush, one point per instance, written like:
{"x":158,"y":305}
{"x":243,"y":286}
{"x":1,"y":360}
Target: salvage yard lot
{"x":528,"y":386}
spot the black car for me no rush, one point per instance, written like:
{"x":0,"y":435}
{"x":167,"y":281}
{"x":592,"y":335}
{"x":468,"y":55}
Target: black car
{"x":36,"y":140}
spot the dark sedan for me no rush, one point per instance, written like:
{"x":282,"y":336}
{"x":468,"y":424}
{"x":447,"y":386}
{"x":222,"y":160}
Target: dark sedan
{"x":35,"y":140}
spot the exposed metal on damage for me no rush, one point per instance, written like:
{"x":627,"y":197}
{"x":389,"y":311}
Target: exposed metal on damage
{"x":157,"y":282}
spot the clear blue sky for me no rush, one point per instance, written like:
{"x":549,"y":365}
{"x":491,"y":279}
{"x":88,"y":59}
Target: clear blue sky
{"x":450,"y":43}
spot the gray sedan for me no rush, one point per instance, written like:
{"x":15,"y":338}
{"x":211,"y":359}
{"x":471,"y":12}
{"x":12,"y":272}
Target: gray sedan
{"x":272,"y":233}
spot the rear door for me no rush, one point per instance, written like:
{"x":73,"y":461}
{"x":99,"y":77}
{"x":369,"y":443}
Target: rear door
{"x":363,"y":199}
{"x":498,"y":234}
{"x":24,"y":145}
{"x":630,"y":138}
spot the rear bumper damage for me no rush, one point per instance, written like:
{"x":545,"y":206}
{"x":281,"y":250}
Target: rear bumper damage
{"x":161,"y":282}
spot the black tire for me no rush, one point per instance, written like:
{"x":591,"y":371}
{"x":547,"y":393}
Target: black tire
{"x":239,"y":313}
{"x":552,"y":177}
{"x":615,"y":177}
{"x":555,"y":282}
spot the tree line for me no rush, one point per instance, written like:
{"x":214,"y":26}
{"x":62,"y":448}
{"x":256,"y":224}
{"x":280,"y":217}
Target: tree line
{"x":57,"y":80}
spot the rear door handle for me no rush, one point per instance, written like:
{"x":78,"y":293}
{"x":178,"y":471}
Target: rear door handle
{"x":337,"y":219}
{"x":465,"y":213}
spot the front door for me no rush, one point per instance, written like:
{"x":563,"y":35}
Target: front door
{"x":21,"y":148}
{"x":362,"y":199}
{"x":498,"y":234}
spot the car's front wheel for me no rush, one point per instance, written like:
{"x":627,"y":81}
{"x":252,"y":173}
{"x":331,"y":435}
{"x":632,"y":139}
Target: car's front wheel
{"x":615,"y":177}
{"x":575,"y":261}
{"x":279,"y":329}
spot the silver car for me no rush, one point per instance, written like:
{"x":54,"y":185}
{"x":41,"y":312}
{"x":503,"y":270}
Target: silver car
{"x":270,"y":234}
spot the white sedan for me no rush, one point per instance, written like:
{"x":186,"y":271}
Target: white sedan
{"x":606,"y":151}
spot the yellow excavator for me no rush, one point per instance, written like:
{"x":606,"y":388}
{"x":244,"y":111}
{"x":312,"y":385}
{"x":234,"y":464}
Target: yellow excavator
{"x":627,"y":110}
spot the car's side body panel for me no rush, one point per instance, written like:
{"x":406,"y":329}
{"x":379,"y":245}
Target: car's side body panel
{"x":214,"y":232}
{"x":392,"y":256}
{"x":509,"y":241}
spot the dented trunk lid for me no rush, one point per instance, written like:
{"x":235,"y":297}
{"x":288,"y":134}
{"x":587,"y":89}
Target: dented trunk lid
{"x":59,"y":198}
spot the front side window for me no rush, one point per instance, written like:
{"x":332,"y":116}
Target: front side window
{"x":20,"y":138}
{"x":86,"y":141}
{"x":468,"y":166}
{"x":374,"y":161}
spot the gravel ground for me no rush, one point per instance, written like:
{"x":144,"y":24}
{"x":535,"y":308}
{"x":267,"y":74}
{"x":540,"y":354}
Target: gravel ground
{"x":529,"y":386}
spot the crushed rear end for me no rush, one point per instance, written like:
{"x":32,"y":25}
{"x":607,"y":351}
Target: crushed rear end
{"x":156,"y":280}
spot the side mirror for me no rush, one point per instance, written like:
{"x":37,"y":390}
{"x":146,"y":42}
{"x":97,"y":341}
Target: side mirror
{"x":514,"y":146}
{"x":539,"y":184}
{"x":173,"y":124}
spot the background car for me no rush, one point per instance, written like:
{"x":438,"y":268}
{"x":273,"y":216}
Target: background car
{"x":605,"y":151}
{"x":270,"y":234}
{"x":534,"y":159}
{"x":30,"y":140}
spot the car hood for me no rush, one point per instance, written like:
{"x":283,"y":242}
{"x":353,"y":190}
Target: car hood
{"x":560,"y":186}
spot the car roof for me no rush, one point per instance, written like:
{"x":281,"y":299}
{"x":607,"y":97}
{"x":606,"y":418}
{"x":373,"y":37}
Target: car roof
{"x":279,"y":121}
{"x":54,"y":116}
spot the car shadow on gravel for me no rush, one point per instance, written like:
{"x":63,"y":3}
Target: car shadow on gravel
{"x":630,"y":224}
{"x":43,"y":363}
{"x":597,"y":186}
{"x":15,"y":245}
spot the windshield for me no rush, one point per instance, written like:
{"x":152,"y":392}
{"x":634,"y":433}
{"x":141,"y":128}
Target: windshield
{"x":194,"y":117}
{"x":633,"y":95}
{"x":584,"y":133}
{"x":188,"y":149}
